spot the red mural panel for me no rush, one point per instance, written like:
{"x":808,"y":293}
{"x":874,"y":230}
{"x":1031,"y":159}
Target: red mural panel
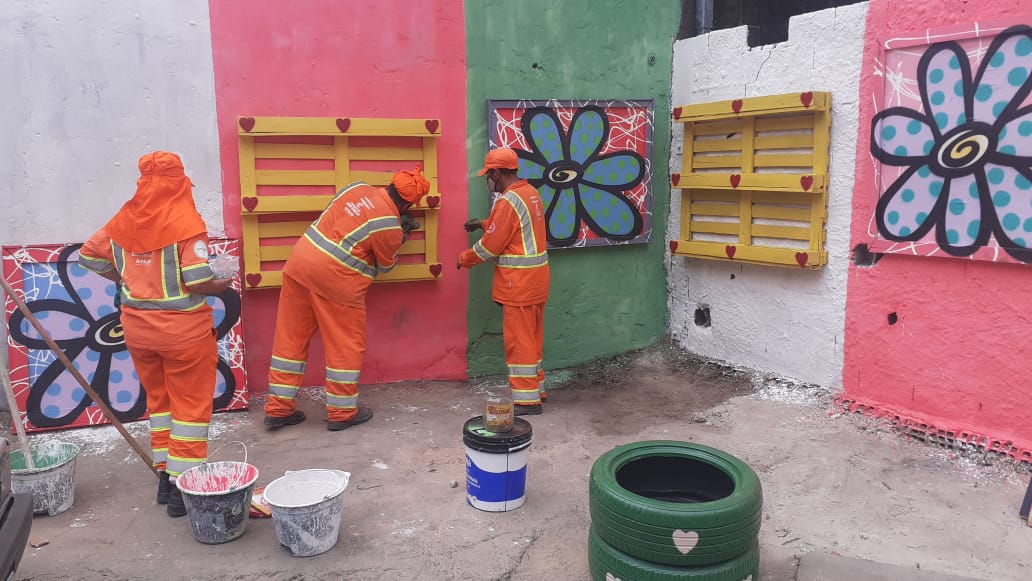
{"x":361,"y":58}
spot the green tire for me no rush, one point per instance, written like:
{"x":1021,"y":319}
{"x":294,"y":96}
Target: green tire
{"x":609,"y":564}
{"x":675,"y":503}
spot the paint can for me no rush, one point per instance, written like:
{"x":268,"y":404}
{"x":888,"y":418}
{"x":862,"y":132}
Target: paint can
{"x":52,"y":481}
{"x":307,"y":507}
{"x":218,"y":499}
{"x":496,"y":465}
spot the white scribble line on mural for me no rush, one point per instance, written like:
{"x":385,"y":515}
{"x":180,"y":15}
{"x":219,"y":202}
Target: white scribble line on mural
{"x":976,"y":31}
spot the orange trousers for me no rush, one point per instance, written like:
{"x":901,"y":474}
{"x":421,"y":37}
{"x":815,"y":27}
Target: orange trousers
{"x":180,"y":385}
{"x":300,"y":313}
{"x":523,"y":331}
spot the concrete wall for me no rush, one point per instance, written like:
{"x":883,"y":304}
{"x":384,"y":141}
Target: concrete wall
{"x":955,"y":361}
{"x":88,"y":88}
{"x":603,"y":300}
{"x":362,"y":58}
{"x":787,"y":321}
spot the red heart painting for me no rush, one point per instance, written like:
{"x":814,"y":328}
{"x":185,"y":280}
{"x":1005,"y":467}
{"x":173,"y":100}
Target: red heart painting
{"x":675,"y":178}
{"x":435,"y":269}
{"x":736,"y":105}
{"x":673,"y":246}
{"x":253,"y":279}
{"x":802,"y":258}
{"x":247,"y":123}
{"x":730,"y":250}
{"x":735,"y":180}
{"x":432,"y":201}
{"x":806,"y":98}
{"x":343,"y":123}
{"x":250,"y":203}
{"x":677,"y":112}
{"x":806,"y":182}
{"x":432,"y":125}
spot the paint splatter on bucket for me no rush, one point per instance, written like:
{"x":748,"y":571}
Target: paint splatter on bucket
{"x":52,"y":481}
{"x":218,"y":498}
{"x":306,"y":509}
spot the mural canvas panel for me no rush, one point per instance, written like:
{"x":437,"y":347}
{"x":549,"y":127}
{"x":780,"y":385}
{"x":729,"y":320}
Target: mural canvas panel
{"x":590,"y":160}
{"x":951,"y":144}
{"x":76,"y":308}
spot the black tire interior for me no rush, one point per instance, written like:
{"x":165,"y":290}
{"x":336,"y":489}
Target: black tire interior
{"x":675,"y":479}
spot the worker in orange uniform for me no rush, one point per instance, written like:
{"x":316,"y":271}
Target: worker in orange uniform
{"x":156,"y":248}
{"x":324,"y":287}
{"x":515,"y":240}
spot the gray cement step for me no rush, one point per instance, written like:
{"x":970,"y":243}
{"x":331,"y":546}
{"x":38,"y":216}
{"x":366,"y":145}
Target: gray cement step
{"x":823,"y":567}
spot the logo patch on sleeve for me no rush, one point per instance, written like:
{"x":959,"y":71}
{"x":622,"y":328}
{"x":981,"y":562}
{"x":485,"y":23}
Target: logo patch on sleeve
{"x":200,"y":249}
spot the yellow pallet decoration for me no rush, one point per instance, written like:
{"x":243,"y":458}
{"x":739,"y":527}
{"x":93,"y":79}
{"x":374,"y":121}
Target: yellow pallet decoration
{"x":291,"y":167}
{"x":754,"y":180}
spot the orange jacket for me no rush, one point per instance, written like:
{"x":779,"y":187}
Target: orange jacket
{"x":514,"y":238}
{"x":159,"y":312}
{"x":357,"y":236}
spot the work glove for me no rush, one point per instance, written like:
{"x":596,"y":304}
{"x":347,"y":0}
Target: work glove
{"x":408,"y":223}
{"x":473,"y":225}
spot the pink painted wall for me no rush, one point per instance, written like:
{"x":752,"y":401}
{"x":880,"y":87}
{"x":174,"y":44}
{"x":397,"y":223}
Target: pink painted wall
{"x":359,"y":58}
{"x":956,"y":359}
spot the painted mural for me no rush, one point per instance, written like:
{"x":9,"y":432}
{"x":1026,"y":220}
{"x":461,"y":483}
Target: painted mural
{"x":952,"y":144}
{"x":77,"y":310}
{"x":589,"y":160}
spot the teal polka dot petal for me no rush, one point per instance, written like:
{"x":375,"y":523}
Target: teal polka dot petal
{"x":962,"y":119}
{"x":914,"y":127}
{"x":1025,"y":128}
{"x":1017,"y":76}
{"x":1021,"y":242}
{"x":907,"y":195}
{"x":935,"y":188}
{"x":954,"y":63}
{"x":995,"y":176}
{"x":921,"y":217}
{"x":973,"y":227}
{"x":901,"y":151}
{"x":952,"y":236}
{"x":1002,"y":134}
{"x":973,"y":189}
{"x":892,"y":217}
{"x":1023,"y":182}
{"x":1023,"y":47}
{"x":997,"y":60}
{"x":928,"y":146}
{"x":1008,"y":150}
{"x":998,"y":108}
{"x":984,"y":93}
{"x":938,"y":98}
{"x":1001,"y":199}
{"x":1027,"y":226}
{"x":942,"y":119}
{"x":958,"y":88}
{"x":888,"y":133}
{"x":1011,"y":221}
{"x":924,"y":171}
{"x":957,"y":206}
{"x":936,"y":76}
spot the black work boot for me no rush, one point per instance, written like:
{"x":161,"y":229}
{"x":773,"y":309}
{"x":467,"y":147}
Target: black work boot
{"x":176,"y":506}
{"x":363,"y":416}
{"x":292,"y":420}
{"x":164,"y":487}
{"x":528,"y":409}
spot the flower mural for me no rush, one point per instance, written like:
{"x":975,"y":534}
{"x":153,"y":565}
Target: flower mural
{"x":966,"y":154}
{"x":588,"y":161}
{"x":77,"y":310}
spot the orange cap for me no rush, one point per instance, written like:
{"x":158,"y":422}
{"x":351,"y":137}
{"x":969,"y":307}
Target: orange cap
{"x":501,"y":158}
{"x":411,"y":185}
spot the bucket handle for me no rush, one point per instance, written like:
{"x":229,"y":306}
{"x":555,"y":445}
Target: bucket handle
{"x":220,"y":448}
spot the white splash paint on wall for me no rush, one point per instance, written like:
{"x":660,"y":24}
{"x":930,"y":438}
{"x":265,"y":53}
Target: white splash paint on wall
{"x":778,"y":320}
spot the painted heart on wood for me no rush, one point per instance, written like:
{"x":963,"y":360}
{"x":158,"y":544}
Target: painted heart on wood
{"x":253,"y":279}
{"x":736,"y":105}
{"x":677,"y":112}
{"x":247,"y":123}
{"x":343,"y":123}
{"x":685,"y":541}
{"x":806,"y":182}
{"x":735,"y":180}
{"x":802,"y":258}
{"x":432,"y":201}
{"x":250,"y":203}
{"x":673,"y":246}
{"x":435,"y":269}
{"x":432,"y":125}
{"x":806,"y":98}
{"x":730,"y":250}
{"x":675,"y":178}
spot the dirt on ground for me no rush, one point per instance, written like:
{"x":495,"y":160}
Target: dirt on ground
{"x":832,"y":483}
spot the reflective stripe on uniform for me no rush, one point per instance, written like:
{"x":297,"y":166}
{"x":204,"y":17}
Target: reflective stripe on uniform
{"x":159,"y":455}
{"x":160,"y":421}
{"x":521,"y":261}
{"x":284,"y":391}
{"x":342,"y":375}
{"x":526,"y":397}
{"x":197,"y":273}
{"x":339,"y":254}
{"x":341,"y":401}
{"x":287,"y":365}
{"x":368,"y":229}
{"x":482,"y":252}
{"x":177,"y":465}
{"x":94,"y":264}
{"x":170,"y":272}
{"x":526,"y":225}
{"x":170,"y":281}
{"x":189,"y":431}
{"x":184,"y":303}
{"x":522,"y":370}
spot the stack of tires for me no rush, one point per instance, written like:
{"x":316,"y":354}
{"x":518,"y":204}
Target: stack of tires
{"x":664,"y":510}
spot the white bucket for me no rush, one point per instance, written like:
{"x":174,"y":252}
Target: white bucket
{"x":306,"y":509}
{"x":52,"y":481}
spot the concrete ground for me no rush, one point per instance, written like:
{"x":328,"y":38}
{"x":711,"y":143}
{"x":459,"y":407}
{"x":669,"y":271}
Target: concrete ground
{"x":833,"y":485}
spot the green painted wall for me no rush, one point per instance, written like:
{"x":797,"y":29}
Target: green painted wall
{"x":603,"y":300}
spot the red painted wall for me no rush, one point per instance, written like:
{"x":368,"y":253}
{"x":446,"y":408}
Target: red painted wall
{"x":359,"y":58}
{"x":956,"y":359}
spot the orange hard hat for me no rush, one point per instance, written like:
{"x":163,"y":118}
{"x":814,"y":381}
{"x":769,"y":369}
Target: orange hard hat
{"x":501,"y":158}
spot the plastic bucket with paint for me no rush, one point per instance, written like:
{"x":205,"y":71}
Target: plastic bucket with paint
{"x":306,"y":509}
{"x":496,"y":465}
{"x":218,"y":498}
{"x":52,"y":481}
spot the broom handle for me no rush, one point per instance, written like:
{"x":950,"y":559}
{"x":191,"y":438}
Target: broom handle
{"x":110,"y":415}
{"x":12,"y":404}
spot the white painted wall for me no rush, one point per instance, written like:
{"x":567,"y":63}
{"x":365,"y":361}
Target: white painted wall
{"x":88,"y":88}
{"x":786,"y":321}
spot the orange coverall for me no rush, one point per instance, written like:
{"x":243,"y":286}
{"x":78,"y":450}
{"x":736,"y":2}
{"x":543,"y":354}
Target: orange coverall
{"x":324,"y":287}
{"x":171,"y":337}
{"x":514,"y":238}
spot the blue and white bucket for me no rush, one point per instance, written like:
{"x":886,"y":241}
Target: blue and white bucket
{"x":496,"y":465}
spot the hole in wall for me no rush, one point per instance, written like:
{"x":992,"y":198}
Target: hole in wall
{"x":893,"y":318}
{"x":702,"y":317}
{"x":862,"y":256}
